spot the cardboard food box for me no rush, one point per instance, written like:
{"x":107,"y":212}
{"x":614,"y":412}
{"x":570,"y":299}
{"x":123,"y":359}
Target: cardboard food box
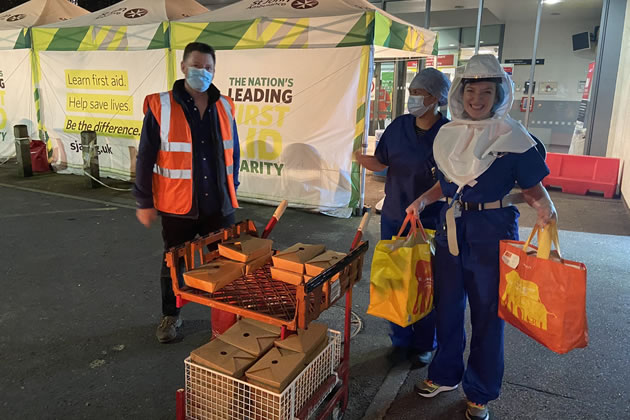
{"x":223,"y":358}
{"x":286,"y":276}
{"x":254,"y":265}
{"x":294,"y":257}
{"x":245,"y":248}
{"x":276,"y":369}
{"x":318,"y":264}
{"x":308,"y":341}
{"x":263,"y":325}
{"x":214,"y":275}
{"x":248,"y":337}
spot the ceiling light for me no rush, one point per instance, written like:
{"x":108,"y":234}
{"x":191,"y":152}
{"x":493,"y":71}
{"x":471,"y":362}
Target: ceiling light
{"x":481,"y":42}
{"x":451,"y":45}
{"x":552,"y":1}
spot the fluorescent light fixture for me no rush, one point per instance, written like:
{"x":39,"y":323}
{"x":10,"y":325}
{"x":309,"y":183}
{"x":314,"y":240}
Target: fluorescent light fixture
{"x":551,"y":1}
{"x":451,"y":45}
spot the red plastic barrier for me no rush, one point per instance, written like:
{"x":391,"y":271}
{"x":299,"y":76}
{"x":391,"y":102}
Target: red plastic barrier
{"x":577,"y":174}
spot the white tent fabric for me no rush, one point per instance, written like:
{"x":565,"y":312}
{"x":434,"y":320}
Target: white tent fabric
{"x":39,"y":12}
{"x":137,"y":12}
{"x":299,"y":73}
{"x":17,"y":103}
{"x":252,"y":9}
{"x":95,"y":73}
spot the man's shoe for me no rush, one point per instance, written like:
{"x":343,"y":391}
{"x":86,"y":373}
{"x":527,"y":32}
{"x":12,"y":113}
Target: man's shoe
{"x":167,"y":330}
{"x":420,"y":359}
{"x":429,"y":389}
{"x":477,"y":411}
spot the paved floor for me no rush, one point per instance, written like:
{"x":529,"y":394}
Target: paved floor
{"x":82,"y":302}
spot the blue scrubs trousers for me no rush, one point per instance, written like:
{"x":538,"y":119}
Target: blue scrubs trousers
{"x":474,"y":274}
{"x":419,"y":336}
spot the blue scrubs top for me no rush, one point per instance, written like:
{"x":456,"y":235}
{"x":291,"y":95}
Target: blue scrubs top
{"x":410,"y":162}
{"x":525,"y":169}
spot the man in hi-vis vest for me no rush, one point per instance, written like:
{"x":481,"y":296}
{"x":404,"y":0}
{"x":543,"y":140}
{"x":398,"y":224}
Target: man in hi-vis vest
{"x":187,"y":165}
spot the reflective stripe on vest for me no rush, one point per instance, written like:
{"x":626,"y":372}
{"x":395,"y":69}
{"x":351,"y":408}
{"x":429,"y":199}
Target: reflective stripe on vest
{"x":172,"y":173}
{"x":225,"y":111}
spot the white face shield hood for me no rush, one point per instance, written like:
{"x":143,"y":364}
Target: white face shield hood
{"x":465,"y":148}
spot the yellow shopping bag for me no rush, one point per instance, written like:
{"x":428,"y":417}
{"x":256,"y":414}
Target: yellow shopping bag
{"x":401,"y":279}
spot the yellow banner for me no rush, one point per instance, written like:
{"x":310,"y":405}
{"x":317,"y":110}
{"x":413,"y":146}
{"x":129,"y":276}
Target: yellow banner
{"x":99,"y":103}
{"x":105,"y":126}
{"x":97,"y":79}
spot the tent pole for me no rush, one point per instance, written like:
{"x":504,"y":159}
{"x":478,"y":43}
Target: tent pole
{"x":427,"y":14}
{"x":479,"y":13}
{"x":364,"y":143}
{"x":532,"y":69}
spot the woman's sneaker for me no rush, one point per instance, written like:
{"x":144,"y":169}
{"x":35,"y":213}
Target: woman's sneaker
{"x":477,"y":411}
{"x":430,"y":389}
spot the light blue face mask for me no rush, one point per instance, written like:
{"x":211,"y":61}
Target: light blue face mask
{"x":415,"y":105}
{"x":199,"y":79}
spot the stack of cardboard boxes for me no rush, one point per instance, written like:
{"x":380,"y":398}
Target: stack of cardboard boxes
{"x":252,"y":351}
{"x":239,"y":256}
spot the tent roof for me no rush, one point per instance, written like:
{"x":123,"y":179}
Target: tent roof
{"x":252,"y":9}
{"x":39,"y":12}
{"x":305,"y":24}
{"x":136,"y":12}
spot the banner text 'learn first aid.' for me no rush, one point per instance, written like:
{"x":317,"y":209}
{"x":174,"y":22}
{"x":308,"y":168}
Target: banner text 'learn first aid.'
{"x":93,"y":103}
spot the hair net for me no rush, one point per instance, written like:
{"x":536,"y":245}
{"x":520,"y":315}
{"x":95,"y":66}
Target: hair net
{"x":434,"y":82}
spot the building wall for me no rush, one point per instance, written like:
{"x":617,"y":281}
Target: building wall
{"x":554,"y":115}
{"x":619,"y":135}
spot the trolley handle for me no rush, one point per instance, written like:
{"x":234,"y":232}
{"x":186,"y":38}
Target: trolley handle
{"x":362,"y":226}
{"x":328,"y":274}
{"x":274,"y":219}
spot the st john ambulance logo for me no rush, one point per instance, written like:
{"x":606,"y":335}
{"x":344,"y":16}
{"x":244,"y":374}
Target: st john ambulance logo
{"x":13,"y":18}
{"x":135,"y":13}
{"x":304,"y":4}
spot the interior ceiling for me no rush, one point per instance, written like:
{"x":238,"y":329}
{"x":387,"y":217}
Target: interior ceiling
{"x":499,"y":10}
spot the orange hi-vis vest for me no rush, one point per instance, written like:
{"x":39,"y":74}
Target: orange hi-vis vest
{"x":172,"y":173}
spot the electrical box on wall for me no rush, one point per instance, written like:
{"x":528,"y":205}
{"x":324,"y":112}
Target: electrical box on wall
{"x":548,"y":88}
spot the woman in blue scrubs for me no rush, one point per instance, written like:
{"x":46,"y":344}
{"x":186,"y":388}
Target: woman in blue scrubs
{"x":480,"y":156}
{"x":406,"y":149}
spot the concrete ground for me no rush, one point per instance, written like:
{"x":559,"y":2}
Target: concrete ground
{"x":82,"y":301}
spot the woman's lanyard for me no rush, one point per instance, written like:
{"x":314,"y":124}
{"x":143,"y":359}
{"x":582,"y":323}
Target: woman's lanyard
{"x":453,"y":212}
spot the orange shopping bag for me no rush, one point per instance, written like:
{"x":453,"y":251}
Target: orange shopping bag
{"x":542,"y":294}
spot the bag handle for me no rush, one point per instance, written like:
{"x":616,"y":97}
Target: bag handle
{"x":415,"y":228}
{"x":546,"y":237}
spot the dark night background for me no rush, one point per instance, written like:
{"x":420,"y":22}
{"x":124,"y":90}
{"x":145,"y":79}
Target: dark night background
{"x":91,"y":5}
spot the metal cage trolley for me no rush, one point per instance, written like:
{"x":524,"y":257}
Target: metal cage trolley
{"x":321,"y":389}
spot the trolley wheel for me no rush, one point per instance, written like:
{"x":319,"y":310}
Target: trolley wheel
{"x":337,"y":413}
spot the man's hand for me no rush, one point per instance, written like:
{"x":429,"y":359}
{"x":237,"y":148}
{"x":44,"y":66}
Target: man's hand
{"x":146,"y":216}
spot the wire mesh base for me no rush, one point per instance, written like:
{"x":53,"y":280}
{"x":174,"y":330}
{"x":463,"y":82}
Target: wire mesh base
{"x":213,"y":395}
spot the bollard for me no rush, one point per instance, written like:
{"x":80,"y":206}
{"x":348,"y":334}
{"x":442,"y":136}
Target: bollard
{"x":23,"y":150}
{"x":90,"y":157}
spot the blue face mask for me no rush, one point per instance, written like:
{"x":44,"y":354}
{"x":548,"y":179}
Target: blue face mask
{"x":199,"y":79}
